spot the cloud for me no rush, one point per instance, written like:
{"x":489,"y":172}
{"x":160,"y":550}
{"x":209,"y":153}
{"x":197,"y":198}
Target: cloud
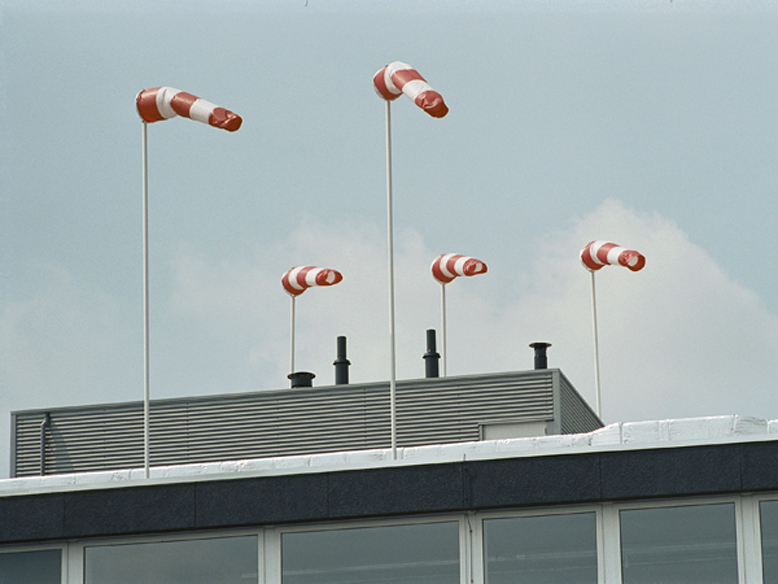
{"x":680,"y":338}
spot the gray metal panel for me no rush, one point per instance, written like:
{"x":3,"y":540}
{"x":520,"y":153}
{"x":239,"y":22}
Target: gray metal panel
{"x":283,"y":422}
{"x":575,"y":414}
{"x":12,"y":469}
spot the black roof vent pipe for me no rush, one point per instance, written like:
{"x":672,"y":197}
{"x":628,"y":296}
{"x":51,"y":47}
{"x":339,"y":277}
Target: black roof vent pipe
{"x":541,"y":361}
{"x":341,"y":363}
{"x":431,"y":357}
{"x":301,"y":379}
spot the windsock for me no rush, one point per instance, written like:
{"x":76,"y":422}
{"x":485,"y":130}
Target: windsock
{"x":162,"y":103}
{"x":597,"y":254}
{"x":450,"y":265}
{"x":398,"y":78}
{"x":299,"y":279}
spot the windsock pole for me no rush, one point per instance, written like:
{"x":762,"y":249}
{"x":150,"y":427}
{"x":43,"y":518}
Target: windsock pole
{"x":594,"y":256}
{"x":155,"y":105}
{"x":390,"y":245}
{"x":443,"y":326}
{"x":145,"y":172}
{"x":596,"y":350}
{"x":291,"y":334}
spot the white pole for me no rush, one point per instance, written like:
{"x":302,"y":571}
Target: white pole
{"x":390,"y":245}
{"x":146,"y":433}
{"x":443,"y":325}
{"x":291,"y":350}
{"x":596,"y":350}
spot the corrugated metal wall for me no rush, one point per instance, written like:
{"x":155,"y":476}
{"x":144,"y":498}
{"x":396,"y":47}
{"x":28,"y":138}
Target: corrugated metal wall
{"x":575,"y":413}
{"x":285,"y":422}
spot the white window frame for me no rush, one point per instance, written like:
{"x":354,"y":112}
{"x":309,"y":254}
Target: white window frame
{"x":77,"y":549}
{"x":478,"y":536}
{"x":745,"y":559}
{"x":273,"y":537}
{"x":63,"y":558}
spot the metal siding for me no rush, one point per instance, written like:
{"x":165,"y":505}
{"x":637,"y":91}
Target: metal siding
{"x":286,"y":422}
{"x":575,"y":414}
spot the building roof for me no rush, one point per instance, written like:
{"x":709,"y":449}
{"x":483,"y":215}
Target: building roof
{"x":621,"y":462}
{"x":623,"y":436}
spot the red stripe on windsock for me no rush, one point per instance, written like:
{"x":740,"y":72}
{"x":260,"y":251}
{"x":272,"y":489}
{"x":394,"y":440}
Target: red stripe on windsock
{"x":300,"y":278}
{"x":632,"y":260}
{"x":146,"y":102}
{"x":602,"y":253}
{"x":474,"y":267}
{"x":379,"y":83}
{"x":182,"y":102}
{"x":225,"y":119}
{"x":432,"y":103}
{"x":403,"y":76}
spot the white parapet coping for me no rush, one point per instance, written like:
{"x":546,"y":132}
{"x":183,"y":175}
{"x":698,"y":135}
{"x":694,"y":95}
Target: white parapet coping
{"x":618,"y":436}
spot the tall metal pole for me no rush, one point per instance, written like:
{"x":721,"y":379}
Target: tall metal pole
{"x":390,"y":245}
{"x":291,"y":344}
{"x":146,"y":433}
{"x":596,"y":350}
{"x":443,"y":325}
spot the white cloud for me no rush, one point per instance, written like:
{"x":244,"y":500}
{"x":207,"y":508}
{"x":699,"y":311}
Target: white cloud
{"x":679,"y":338}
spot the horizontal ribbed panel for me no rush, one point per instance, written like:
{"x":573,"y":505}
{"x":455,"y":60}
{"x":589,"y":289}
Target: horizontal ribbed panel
{"x":575,"y":414}
{"x":286,"y":422}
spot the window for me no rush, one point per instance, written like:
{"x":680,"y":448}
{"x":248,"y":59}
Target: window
{"x":550,"y":549}
{"x":768,"y":518}
{"x":401,"y":554}
{"x":679,"y":545}
{"x":36,"y":567}
{"x":227,"y":560}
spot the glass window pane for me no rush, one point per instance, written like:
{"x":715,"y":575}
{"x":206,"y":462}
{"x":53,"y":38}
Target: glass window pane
{"x":679,"y":545}
{"x":398,"y":554}
{"x":36,"y":567}
{"x":228,"y":560}
{"x":768,"y":516}
{"x":552,"y":549}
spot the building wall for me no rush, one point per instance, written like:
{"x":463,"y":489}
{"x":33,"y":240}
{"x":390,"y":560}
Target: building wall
{"x":686,"y":501}
{"x":291,"y":422}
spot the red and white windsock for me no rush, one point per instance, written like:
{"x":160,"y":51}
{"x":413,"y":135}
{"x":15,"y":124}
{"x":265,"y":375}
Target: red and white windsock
{"x":448,"y":266}
{"x":299,"y":279}
{"x":162,"y":103}
{"x":398,"y":78}
{"x":597,"y":254}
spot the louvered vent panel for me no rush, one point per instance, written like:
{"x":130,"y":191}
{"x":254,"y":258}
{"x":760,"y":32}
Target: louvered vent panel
{"x":279,"y":423}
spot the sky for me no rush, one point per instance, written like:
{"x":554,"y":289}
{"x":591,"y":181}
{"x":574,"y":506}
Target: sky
{"x":652,"y":124}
